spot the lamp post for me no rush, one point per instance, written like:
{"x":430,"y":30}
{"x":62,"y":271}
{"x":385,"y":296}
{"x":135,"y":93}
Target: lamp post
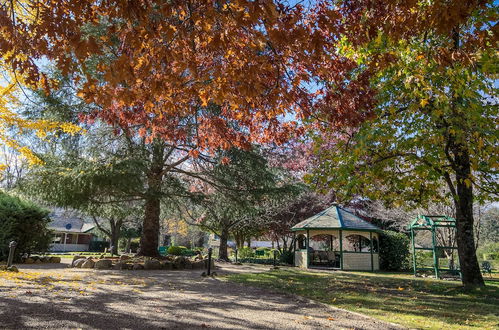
{"x":236,"y":255}
{"x":12,"y":248}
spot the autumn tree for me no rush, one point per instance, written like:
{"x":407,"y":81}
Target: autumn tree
{"x":286,"y":213}
{"x":433,"y":65}
{"x":241,"y":70}
{"x":234,"y":194}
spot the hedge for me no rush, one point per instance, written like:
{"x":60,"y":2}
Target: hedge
{"x":24,"y":223}
{"x":394,"y":251}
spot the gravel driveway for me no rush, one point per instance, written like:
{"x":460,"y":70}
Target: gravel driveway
{"x":44,"y":296}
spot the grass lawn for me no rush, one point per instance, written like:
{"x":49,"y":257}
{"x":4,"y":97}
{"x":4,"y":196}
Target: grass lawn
{"x":399,"y":298}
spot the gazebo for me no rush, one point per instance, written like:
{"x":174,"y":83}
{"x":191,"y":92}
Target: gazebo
{"x":336,"y":239}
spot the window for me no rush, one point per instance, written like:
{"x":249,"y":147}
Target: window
{"x":356,"y":243}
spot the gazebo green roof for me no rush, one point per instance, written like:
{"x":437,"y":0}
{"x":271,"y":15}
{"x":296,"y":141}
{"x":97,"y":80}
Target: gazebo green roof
{"x":335,"y":217}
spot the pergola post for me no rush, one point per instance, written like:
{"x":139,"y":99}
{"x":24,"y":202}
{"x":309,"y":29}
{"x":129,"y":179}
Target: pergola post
{"x":372,"y":258}
{"x":341,"y":249}
{"x":435,"y":256}
{"x":413,"y":252}
{"x":308,"y":244}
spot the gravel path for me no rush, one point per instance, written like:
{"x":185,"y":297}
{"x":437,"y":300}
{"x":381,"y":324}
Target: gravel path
{"x":42,"y":296}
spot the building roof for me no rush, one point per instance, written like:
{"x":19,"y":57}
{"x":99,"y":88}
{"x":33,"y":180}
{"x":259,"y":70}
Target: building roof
{"x":68,"y":221}
{"x":335,"y":217}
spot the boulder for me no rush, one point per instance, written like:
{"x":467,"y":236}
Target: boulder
{"x":38,"y":261}
{"x":89,"y":263}
{"x":103,"y":264}
{"x":124,"y":257}
{"x":199,"y":264}
{"x":167,"y":265}
{"x":212,"y":263}
{"x":55,"y":260}
{"x":44,"y":259}
{"x":137,"y":267}
{"x":76,"y":258}
{"x":119,"y":265}
{"x":29,"y":261}
{"x":152,"y":264}
{"x":13,"y":269}
{"x":78,"y":263}
{"x":179,"y":262}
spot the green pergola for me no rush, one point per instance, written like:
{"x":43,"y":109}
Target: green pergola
{"x":430,"y":223}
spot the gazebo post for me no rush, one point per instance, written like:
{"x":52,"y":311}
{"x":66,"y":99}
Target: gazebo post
{"x":308,"y":244}
{"x":294,"y":248}
{"x":372,"y":258}
{"x":341,"y":249}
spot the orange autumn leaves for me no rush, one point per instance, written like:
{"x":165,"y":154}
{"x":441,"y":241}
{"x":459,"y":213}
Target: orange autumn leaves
{"x":204,"y":73}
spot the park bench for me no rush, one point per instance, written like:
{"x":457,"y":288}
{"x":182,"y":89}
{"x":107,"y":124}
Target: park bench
{"x":487,"y":268}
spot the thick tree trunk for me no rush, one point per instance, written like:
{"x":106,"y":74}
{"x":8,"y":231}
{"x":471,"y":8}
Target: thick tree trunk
{"x":149,"y":241}
{"x":222,"y":251}
{"x":115,"y":235}
{"x":150,"y":228}
{"x":471,"y":274}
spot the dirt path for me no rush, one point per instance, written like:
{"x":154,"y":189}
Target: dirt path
{"x":47,"y":297}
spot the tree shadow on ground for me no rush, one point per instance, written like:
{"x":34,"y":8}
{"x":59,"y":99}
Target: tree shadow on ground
{"x":162,"y":299}
{"x":444,"y":301}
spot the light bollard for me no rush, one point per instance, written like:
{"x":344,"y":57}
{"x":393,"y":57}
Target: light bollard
{"x":12,"y":248}
{"x":208,"y":272}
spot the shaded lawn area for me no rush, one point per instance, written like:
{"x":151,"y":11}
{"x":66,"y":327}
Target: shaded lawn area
{"x":399,"y":298}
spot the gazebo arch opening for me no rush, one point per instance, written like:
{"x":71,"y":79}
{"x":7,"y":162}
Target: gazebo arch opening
{"x":324,"y":251}
{"x":356,"y":243}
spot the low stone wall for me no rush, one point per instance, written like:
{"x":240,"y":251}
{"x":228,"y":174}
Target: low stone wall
{"x":41,"y":260}
{"x":138,"y":263}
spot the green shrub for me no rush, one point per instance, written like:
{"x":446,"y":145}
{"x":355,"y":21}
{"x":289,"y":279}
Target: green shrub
{"x":261,"y":261}
{"x":245,"y":252}
{"x":394,"y":251}
{"x":287,"y":257}
{"x":24,"y":223}
{"x":188,"y":252}
{"x":176,"y":250}
{"x":98,"y":246}
{"x":488,"y":251}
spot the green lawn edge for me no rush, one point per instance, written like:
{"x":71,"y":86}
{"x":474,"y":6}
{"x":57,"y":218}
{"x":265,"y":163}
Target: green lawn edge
{"x":421,"y":303}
